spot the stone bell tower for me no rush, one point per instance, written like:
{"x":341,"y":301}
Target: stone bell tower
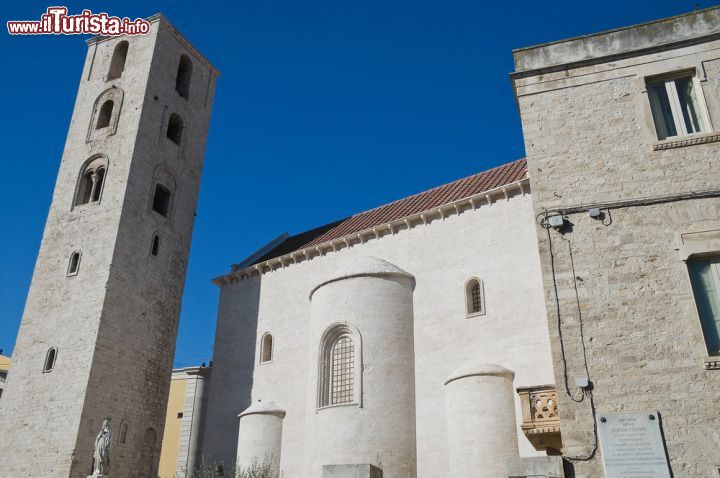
{"x":98,"y":333}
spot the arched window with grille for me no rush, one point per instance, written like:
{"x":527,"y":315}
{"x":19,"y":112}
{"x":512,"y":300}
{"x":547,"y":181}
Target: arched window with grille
{"x":117,"y":63}
{"x":91,"y":181}
{"x":474,"y":297}
{"x":340,"y":374}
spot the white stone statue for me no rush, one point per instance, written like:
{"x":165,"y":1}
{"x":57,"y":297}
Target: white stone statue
{"x":101,"y":453}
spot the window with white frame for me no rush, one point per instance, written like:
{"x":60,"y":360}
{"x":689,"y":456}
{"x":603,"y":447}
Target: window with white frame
{"x":678,"y":106}
{"x":705,"y":279}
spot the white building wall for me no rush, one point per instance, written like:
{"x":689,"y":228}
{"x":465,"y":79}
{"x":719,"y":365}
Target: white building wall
{"x":495,"y":243}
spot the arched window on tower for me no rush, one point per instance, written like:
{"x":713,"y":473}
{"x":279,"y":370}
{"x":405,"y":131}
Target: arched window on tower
{"x":50,"y":358}
{"x":117,"y":63}
{"x":74,"y":265}
{"x":91,"y":182}
{"x":340,"y":374}
{"x":175,"y":128}
{"x":184,"y":75}
{"x":104,"y":115}
{"x":266,"y":348}
{"x":474,"y":297}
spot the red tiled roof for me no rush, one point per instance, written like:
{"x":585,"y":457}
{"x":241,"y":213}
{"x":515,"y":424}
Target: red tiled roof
{"x":432,"y":198}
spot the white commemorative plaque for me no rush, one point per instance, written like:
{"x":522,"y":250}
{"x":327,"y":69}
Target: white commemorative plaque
{"x":632,"y":445}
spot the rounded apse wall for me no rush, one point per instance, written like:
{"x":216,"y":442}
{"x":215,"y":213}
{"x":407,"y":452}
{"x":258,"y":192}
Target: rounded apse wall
{"x":362,"y":389}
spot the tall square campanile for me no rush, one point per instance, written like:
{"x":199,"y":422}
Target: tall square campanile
{"x":98,"y":333}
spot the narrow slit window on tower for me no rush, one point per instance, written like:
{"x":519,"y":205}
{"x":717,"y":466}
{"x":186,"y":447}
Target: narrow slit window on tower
{"x":175,"y":128}
{"x":266,"y":348}
{"x":184,"y":75}
{"x":123,"y":433}
{"x":117,"y":63}
{"x":161,"y":200}
{"x":474,"y":297}
{"x":50,"y":358}
{"x":104,"y":115}
{"x":155,"y":248}
{"x":74,"y":265}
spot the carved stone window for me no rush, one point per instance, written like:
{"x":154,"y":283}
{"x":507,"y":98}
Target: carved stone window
{"x":117,"y":63}
{"x":340,"y":373}
{"x":91,"y":181}
{"x":474,"y":297}
{"x":705,"y":279}
{"x":106,"y":114}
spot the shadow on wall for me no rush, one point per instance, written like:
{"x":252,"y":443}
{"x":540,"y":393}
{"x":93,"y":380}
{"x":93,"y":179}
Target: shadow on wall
{"x":231,"y":380}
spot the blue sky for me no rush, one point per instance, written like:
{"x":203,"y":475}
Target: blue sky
{"x":323,"y":109}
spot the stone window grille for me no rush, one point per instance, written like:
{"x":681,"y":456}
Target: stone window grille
{"x":705,"y":280}
{"x":678,"y":106}
{"x":474,"y":297}
{"x":91,"y":182}
{"x":266,"y":348}
{"x":50,"y":358}
{"x":117,"y":63}
{"x":175,"y":128}
{"x":184,"y":75}
{"x":342,"y":359}
{"x":340,"y":374}
{"x":74,"y":265}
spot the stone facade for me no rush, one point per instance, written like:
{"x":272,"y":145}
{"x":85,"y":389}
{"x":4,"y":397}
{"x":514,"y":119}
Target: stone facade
{"x":493,"y":240}
{"x":112,"y":321}
{"x":617,"y":286}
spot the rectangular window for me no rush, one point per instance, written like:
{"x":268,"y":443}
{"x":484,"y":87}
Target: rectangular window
{"x":678,"y":107}
{"x":705,"y":279}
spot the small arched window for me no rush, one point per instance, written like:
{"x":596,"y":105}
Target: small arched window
{"x":155,"y":248}
{"x":184,"y":75}
{"x":104,"y":115}
{"x":50,"y":358}
{"x":474,"y":297}
{"x":91,"y":182}
{"x":340,"y":374}
{"x":266,"y":348}
{"x":123,"y":432}
{"x":117,"y":64}
{"x":175,"y":128}
{"x":74,"y":265}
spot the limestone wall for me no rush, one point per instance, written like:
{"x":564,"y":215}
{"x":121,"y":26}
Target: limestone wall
{"x":590,"y":139}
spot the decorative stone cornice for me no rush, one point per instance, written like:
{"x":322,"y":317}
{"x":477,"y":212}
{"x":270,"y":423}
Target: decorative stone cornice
{"x":707,"y":138}
{"x":482,"y":199}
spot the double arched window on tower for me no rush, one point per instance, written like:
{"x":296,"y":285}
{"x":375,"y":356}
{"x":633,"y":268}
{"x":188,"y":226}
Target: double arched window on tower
{"x":91,"y":181}
{"x":340,"y":373}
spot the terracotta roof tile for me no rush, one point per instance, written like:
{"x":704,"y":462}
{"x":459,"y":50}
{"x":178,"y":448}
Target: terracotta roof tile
{"x":432,"y":198}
